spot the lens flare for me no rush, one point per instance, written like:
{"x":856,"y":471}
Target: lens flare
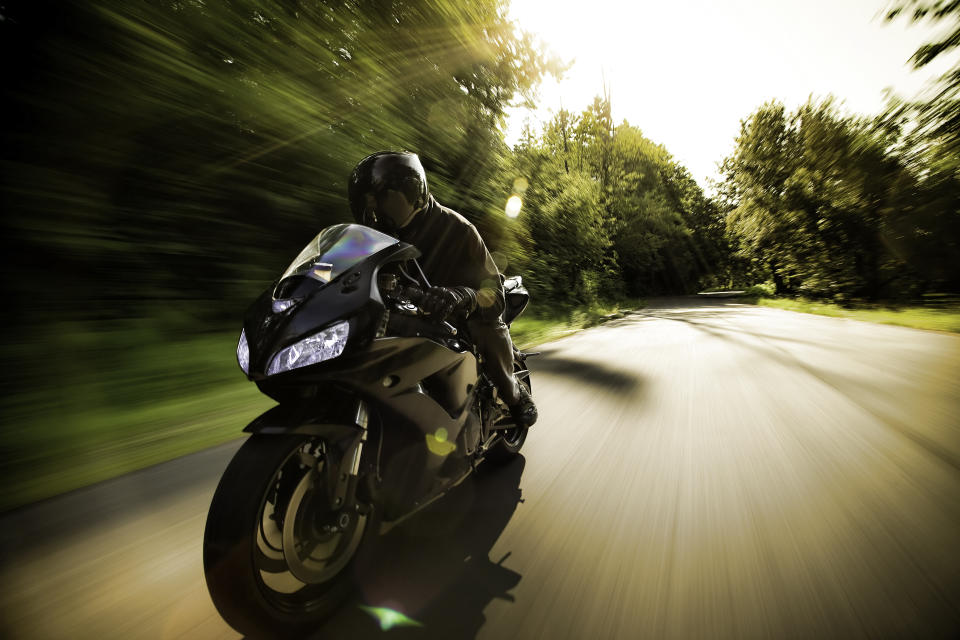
{"x":438,"y":444}
{"x":513,"y":206}
{"x":388,"y":618}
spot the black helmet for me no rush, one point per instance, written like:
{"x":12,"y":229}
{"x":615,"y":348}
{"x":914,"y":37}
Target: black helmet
{"x":386,"y":170}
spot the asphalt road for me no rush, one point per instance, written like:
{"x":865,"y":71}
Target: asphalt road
{"x":700,"y":469}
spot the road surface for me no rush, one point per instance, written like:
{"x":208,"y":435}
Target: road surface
{"x":700,"y":469}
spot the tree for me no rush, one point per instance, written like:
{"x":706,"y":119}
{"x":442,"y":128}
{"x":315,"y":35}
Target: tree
{"x":203,"y":143}
{"x":828,"y":206}
{"x":936,"y":118}
{"x":646,"y":226}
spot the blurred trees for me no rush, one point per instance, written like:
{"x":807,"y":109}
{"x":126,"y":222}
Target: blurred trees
{"x":832,"y":205}
{"x":935,"y":119}
{"x":608,"y":212}
{"x":163,"y":159}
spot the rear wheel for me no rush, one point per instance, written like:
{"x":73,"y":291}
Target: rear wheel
{"x":277,"y":558}
{"x":508,"y":445}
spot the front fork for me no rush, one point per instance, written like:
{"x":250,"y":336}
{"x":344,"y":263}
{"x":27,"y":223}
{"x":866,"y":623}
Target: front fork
{"x":342,"y":479}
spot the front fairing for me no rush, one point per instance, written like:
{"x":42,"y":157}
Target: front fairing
{"x":336,"y":282}
{"x":418,"y":385}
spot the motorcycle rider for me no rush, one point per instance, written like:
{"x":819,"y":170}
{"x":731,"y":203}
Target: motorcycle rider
{"x":388,"y":191}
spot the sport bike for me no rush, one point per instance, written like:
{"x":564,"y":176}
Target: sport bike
{"x":382,"y":409}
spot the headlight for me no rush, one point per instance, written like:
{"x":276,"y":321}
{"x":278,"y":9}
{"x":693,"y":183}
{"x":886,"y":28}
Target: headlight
{"x":243,"y":352}
{"x":325,"y":345}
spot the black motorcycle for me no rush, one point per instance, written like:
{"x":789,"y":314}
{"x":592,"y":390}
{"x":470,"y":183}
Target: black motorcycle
{"x":382,"y":410}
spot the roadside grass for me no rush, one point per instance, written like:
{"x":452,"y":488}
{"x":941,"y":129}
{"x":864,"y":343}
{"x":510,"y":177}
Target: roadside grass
{"x":100,"y":402}
{"x":945,"y":317}
{"x":531,"y":330}
{"x":105,"y":442}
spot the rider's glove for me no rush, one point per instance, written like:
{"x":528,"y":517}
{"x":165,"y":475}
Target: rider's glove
{"x":443,"y":302}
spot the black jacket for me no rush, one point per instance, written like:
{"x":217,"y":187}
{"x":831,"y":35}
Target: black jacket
{"x":454,"y":255}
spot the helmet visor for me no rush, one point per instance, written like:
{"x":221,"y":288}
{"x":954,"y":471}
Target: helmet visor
{"x":393,"y":205}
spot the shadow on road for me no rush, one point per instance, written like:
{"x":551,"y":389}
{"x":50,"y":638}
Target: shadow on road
{"x":586,"y":371}
{"x":701,"y":317}
{"x":436,"y":568}
{"x":704,"y":320}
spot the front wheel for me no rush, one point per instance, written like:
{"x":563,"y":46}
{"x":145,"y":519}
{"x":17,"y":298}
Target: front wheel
{"x":277,"y":557}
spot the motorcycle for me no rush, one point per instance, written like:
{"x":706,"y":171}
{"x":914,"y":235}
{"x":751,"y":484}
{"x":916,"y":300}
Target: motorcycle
{"x":382,"y":410}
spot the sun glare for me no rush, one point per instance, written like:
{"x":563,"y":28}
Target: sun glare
{"x":514,"y":203}
{"x":686,"y":78}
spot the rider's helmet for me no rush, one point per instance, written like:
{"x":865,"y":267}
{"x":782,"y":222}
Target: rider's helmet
{"x":387,"y":188}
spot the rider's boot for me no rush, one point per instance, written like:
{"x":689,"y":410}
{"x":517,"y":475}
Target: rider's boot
{"x":524,"y":412}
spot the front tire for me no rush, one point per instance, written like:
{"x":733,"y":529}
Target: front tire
{"x":277,"y":559}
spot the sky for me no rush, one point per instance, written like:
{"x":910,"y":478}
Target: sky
{"x":686,"y":73}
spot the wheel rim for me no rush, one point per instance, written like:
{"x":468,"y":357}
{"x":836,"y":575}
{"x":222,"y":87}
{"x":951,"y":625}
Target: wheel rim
{"x":295,"y":560}
{"x":513,"y":437}
{"x":313,"y":554}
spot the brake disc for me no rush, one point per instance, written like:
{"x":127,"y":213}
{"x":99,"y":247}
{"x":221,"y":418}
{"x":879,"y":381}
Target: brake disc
{"x":315,"y":553}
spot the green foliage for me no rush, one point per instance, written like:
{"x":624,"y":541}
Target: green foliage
{"x":609,"y":213}
{"x":828,"y":206}
{"x":529,"y":330}
{"x":570,"y":242}
{"x":117,"y":399}
{"x":835,"y":206}
{"x":203,"y":142}
{"x":945,"y":318}
{"x":765,"y":290}
{"x":163,"y":160}
{"x":934,"y":120}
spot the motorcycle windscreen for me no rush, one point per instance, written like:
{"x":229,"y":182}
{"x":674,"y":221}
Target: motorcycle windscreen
{"x":337,"y":249}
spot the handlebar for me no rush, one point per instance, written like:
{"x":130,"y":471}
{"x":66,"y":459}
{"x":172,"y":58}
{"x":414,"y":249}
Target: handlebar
{"x":413,"y":294}
{"x":416,"y":296}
